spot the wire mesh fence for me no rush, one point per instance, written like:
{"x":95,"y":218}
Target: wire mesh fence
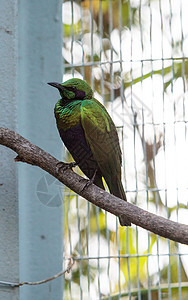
{"x":134,"y":55}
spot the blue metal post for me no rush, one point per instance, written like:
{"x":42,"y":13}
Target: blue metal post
{"x":40,"y":61}
{"x":9,"y":251}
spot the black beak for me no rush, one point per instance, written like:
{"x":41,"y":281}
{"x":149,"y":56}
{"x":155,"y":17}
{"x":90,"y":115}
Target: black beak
{"x":56,"y":85}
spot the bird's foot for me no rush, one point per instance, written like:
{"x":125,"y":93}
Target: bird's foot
{"x":64,"y":166}
{"x":124,"y":221}
{"x":90,"y":181}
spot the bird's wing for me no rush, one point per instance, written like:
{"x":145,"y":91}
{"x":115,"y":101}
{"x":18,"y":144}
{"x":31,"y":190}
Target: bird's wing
{"x":101,"y":135}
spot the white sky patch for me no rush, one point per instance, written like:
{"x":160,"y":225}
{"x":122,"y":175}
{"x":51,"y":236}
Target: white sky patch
{"x":87,"y":44}
{"x":73,"y":47}
{"x":68,"y":13}
{"x":67,"y":76}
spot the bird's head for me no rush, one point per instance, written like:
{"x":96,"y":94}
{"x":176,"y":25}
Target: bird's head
{"x":73,"y":89}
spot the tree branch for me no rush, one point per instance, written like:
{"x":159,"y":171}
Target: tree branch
{"x":31,"y":154}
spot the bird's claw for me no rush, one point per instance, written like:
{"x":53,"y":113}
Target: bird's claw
{"x":90,"y":181}
{"x":124,"y":221}
{"x":65,"y":166}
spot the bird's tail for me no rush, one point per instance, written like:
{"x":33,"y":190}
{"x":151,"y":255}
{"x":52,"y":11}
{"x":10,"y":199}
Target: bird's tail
{"x":117,"y":190}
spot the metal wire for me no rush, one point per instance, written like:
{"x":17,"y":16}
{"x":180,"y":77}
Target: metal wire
{"x":110,"y":260}
{"x":101,"y":63}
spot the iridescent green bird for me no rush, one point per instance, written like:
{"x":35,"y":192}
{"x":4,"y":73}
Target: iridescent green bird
{"x":90,"y":135}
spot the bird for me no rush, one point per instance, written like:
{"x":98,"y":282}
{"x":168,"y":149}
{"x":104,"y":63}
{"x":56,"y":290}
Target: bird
{"x":90,"y":135}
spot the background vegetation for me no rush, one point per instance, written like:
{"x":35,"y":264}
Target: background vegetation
{"x":133,"y":54}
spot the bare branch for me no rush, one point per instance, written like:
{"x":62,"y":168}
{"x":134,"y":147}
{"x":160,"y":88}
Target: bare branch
{"x":34,"y":155}
{"x":15,"y":284}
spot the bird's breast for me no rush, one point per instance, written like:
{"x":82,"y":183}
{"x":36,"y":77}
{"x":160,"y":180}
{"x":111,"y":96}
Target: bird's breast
{"x":67,"y":116}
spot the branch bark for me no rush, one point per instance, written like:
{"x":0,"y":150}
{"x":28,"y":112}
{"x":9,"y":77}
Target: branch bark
{"x":32,"y":154}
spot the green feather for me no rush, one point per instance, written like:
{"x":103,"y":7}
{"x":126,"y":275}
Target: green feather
{"x":78,"y":107}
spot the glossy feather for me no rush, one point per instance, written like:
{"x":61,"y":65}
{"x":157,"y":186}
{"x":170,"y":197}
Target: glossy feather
{"x":90,"y":135}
